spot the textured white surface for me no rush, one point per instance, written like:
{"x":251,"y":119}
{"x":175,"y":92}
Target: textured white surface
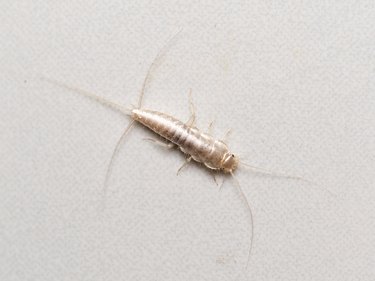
{"x":296,"y":83}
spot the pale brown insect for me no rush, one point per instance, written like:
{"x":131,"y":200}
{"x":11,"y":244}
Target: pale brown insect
{"x":197,"y":145}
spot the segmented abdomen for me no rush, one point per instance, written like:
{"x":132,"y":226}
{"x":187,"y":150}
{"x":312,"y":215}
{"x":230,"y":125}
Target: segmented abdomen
{"x":202,"y":147}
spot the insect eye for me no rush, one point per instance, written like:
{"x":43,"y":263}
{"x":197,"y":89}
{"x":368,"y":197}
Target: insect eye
{"x":232,"y":155}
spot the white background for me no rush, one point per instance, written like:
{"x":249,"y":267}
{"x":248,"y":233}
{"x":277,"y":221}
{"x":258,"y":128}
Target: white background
{"x":295,"y":80}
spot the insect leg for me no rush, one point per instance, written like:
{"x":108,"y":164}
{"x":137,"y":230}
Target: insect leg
{"x":214,"y":176}
{"x":191,"y":121}
{"x":167,"y":145}
{"x":227,"y":135}
{"x":187,"y":161}
{"x":219,"y":181}
{"x":209,"y":130}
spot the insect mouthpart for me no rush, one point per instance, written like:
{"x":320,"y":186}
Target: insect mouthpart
{"x":230,"y":163}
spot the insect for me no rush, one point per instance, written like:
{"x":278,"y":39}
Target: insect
{"x":197,"y":145}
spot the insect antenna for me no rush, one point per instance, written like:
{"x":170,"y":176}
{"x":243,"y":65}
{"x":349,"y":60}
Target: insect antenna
{"x":271,"y":173}
{"x":243,"y":196}
{"x":285,"y":176}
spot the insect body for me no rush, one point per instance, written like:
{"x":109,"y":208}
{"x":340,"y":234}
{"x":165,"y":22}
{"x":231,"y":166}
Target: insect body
{"x":199,"y":146}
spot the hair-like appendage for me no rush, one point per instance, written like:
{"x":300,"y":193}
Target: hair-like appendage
{"x":251,"y":216}
{"x":270,"y":173}
{"x":154,"y":64}
{"x":114,"y":153}
{"x":101,"y":100}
